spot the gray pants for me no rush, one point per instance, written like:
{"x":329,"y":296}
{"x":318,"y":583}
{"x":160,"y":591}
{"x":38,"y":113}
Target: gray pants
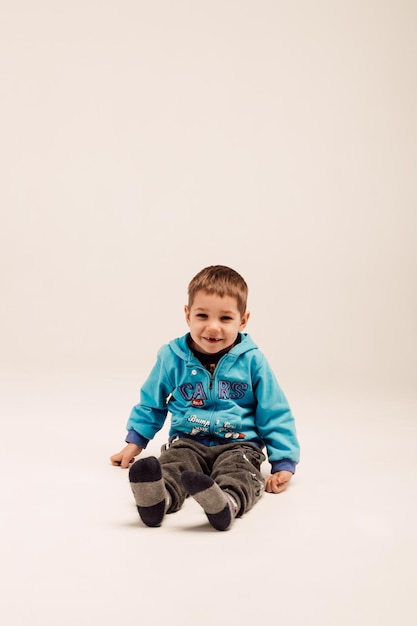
{"x":235,"y":467}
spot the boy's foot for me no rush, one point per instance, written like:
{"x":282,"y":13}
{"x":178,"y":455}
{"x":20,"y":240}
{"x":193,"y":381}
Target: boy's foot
{"x":149,"y":491}
{"x":218,"y":505}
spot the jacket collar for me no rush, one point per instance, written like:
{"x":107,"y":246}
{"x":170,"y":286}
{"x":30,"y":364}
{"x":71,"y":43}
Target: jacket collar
{"x":180,"y":347}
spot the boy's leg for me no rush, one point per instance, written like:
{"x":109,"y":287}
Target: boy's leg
{"x":237,"y":471}
{"x":175,"y":458}
{"x":234,"y":485}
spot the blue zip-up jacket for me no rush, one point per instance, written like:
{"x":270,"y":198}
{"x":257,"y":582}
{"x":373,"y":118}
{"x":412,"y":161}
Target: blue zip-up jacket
{"x":241,"y":402}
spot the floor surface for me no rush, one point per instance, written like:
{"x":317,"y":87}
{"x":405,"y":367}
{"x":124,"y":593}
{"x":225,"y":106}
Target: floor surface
{"x":338,"y":548}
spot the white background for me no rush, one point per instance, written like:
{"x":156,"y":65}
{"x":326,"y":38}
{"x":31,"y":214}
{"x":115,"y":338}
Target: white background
{"x":140,"y":142}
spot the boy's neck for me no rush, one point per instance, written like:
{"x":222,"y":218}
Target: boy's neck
{"x":210,"y":360}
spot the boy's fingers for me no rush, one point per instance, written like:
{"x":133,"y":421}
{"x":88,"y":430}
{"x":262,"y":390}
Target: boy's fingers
{"x":270,"y":485}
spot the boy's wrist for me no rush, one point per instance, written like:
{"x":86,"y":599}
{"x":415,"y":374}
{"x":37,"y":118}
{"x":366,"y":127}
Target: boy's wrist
{"x":283,"y":465}
{"x":136,"y":438}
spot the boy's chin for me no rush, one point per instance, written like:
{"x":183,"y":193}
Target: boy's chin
{"x":211,"y":347}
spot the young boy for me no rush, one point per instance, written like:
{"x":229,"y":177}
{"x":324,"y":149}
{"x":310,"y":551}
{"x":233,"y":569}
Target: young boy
{"x":225,"y":405}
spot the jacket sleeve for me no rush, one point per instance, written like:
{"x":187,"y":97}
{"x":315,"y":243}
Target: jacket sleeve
{"x":274,"y":419}
{"x":148,"y":417}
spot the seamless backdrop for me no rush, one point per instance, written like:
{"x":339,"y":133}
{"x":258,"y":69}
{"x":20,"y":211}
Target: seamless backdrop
{"x":141,"y":140}
{"x":144,"y":140}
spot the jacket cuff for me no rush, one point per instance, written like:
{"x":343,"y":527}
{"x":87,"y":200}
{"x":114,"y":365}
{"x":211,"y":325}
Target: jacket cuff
{"x":283,"y":465}
{"x":134,"y":437}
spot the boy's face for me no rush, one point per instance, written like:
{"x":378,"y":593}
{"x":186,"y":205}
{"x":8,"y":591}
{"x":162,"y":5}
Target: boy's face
{"x":214,"y":321}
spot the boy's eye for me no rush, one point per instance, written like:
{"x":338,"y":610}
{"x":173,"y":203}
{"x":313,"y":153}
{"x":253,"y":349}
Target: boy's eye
{"x":204,"y":316}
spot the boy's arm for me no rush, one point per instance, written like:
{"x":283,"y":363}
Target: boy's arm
{"x":148,"y":416}
{"x":275,"y":424}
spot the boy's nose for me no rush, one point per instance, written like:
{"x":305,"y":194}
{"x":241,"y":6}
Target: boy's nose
{"x":213,"y":326}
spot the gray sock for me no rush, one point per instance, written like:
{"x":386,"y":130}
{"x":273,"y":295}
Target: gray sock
{"x":149,"y":490}
{"x":220,"y":507}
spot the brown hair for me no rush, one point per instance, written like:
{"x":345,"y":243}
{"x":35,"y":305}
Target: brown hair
{"x":222,"y":281}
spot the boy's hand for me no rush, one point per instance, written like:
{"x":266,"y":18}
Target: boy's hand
{"x":126,"y":456}
{"x":275,"y":483}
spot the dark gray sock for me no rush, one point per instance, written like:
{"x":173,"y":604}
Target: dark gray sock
{"x":149,"y":491}
{"x":219,"y":506}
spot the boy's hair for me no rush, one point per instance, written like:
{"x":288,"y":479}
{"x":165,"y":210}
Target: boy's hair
{"x":222,"y":281}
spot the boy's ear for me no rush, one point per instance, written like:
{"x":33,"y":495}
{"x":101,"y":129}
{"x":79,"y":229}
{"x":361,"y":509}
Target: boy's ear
{"x":187,"y":314}
{"x":244,"y":320}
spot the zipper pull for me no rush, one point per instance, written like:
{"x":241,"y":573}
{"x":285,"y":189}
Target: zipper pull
{"x":211,"y":372}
